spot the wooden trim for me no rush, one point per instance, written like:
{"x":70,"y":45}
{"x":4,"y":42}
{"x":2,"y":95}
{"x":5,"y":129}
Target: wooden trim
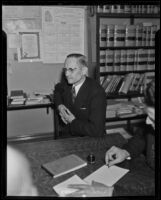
{"x":31,"y":138}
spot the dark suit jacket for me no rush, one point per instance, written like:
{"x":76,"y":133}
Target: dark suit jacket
{"x":89,"y":107}
{"x":143,"y":141}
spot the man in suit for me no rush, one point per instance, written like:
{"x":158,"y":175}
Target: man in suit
{"x":80,"y":100}
{"x":140,"y":142}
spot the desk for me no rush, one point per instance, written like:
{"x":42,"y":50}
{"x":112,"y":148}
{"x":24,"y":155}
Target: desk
{"x":46,"y":104}
{"x":139,"y":181}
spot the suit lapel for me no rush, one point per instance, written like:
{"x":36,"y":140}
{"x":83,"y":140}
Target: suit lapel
{"x":82,"y":93}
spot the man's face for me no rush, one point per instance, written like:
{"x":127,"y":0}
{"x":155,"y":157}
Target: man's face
{"x":73,"y":72}
{"x":151,"y":116}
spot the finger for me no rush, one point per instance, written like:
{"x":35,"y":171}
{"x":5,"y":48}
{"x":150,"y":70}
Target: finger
{"x":113,"y":162}
{"x":107,"y":158}
{"x":74,"y":194}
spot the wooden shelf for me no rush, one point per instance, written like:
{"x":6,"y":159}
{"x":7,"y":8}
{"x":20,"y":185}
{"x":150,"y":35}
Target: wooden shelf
{"x":124,"y":96}
{"x":126,"y":72}
{"x":143,"y":116}
{"x":129,"y":47}
{"x":127,"y":15}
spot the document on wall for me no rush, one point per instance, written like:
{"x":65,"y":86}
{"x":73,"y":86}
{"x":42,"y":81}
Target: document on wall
{"x":106,"y":175}
{"x":63,"y":32}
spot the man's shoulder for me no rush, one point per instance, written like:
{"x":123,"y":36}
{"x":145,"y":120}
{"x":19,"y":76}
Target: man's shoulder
{"x":93,"y":83}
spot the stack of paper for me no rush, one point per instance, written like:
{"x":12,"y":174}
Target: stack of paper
{"x":62,"y":188}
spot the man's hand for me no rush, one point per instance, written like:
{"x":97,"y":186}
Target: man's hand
{"x":94,"y":190}
{"x":66,"y":115}
{"x":115,"y":155}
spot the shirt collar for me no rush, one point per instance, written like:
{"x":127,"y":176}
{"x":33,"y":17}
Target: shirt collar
{"x":77,"y":87}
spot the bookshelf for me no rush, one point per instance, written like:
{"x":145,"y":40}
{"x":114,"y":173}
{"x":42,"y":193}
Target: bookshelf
{"x":124,"y":50}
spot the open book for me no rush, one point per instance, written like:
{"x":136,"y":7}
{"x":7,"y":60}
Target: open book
{"x":64,"y":165}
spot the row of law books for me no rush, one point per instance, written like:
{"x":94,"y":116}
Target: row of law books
{"x":123,"y":84}
{"x":145,"y":9}
{"x":127,"y":60}
{"x":123,"y":109}
{"x":142,"y":34}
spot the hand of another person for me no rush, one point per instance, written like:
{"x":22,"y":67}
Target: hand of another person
{"x":115,"y":155}
{"x":94,"y":190}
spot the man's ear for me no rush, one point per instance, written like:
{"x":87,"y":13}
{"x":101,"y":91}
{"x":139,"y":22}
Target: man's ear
{"x":85,"y":71}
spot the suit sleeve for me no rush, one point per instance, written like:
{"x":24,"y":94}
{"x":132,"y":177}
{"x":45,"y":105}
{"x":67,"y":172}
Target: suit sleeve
{"x":59,"y":89}
{"x":136,"y":144}
{"x":95,"y":126}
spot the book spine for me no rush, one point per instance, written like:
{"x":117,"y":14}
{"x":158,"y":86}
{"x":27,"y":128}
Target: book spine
{"x":106,"y":8}
{"x":135,"y":59}
{"x":102,"y":61}
{"x":120,"y":8}
{"x":113,"y":8}
{"x":148,"y":28}
{"x":130,"y":60}
{"x":138,"y":34}
{"x":130,"y":35}
{"x":109,"y":60}
{"x":123,"y":59}
{"x":133,"y":9}
{"x":103,"y":34}
{"x":153,"y":30}
{"x":119,"y":35}
{"x":144,"y":36}
{"x":137,"y":77}
{"x":128,"y":80}
{"x":99,"y":9}
{"x":127,"y":8}
{"x":141,"y":65}
{"x":110,"y":35}
{"x":151,"y":59}
{"x":117,"y":56}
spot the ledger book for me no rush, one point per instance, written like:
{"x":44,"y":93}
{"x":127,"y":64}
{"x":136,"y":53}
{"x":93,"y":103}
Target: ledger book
{"x":64,"y":165}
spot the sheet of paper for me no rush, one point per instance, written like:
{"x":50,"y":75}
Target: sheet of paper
{"x":62,"y":188}
{"x":108,"y":176}
{"x":63,"y":32}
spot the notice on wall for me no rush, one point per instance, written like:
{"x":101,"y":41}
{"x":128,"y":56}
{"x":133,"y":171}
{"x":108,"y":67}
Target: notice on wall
{"x":62,"y":32}
{"x":30,"y":46}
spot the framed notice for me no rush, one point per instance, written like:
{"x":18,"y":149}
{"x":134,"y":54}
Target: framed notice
{"x":30,"y":46}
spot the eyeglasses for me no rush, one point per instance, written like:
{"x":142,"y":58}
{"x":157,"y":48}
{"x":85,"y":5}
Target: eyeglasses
{"x":71,"y":70}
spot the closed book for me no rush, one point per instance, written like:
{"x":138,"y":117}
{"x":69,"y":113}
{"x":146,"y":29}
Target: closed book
{"x":148,"y":30}
{"x":99,"y":9}
{"x":151,"y":59}
{"x":109,"y":60}
{"x":123,"y":58}
{"x":106,"y":8}
{"x":107,"y":81}
{"x":113,"y":84}
{"x":130,"y":60}
{"x":64,"y":165}
{"x":127,"y":84}
{"x":119,"y":84}
{"x":142,"y":59}
{"x":116,"y":84}
{"x":153,"y":30}
{"x":17,"y":94}
{"x":102,"y":34}
{"x":136,"y":79}
{"x":112,"y":80}
{"x":119,"y":36}
{"x":138,"y":34}
{"x":117,"y":56}
{"x":140,"y":83}
{"x":102,"y":60}
{"x":130,"y":35}
{"x":110,"y":35}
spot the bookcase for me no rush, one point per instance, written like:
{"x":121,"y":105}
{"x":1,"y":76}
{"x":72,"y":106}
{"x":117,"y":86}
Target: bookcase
{"x":125,"y":54}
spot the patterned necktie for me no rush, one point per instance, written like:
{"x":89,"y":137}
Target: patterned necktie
{"x":73,"y":94}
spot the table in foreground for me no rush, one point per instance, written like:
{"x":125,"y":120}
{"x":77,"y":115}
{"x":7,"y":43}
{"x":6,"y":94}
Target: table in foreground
{"x":139,"y":181}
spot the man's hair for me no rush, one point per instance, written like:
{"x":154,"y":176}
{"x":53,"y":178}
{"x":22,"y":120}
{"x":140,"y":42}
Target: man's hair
{"x":150,"y":94}
{"x":81,"y":59}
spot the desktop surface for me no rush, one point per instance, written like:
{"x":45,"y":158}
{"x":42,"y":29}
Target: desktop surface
{"x":139,"y":181}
